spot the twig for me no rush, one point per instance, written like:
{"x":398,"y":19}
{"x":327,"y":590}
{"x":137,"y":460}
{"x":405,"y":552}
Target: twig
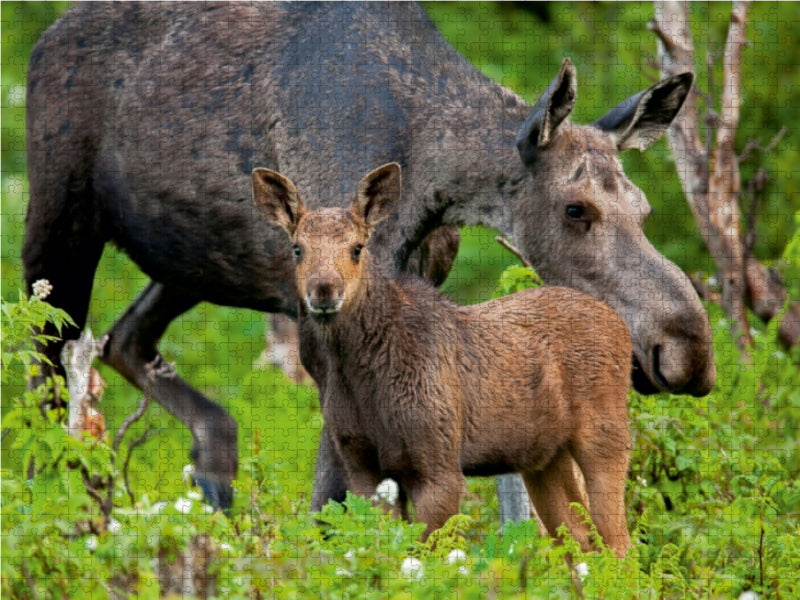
{"x":145,"y":436}
{"x":755,"y":144}
{"x":509,"y":246}
{"x":755,"y":187}
{"x":130,"y":420}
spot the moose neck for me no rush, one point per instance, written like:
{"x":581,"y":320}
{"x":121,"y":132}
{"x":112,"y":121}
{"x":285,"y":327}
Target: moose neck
{"x":447,"y":186}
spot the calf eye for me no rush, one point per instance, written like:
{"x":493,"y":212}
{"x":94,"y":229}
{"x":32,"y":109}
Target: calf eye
{"x":357,"y":251}
{"x":298,"y":252}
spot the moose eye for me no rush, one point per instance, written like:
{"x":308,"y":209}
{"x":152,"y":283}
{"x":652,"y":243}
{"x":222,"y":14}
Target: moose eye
{"x":357,"y":251}
{"x":574,"y":212}
{"x":298,"y":252}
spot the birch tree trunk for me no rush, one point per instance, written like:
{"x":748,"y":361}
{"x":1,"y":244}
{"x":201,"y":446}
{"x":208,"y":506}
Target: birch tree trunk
{"x":709,"y":172}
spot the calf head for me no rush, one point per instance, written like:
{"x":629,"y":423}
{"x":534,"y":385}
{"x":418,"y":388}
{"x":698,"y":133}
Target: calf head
{"x":329,"y":243}
{"x":585,"y":229}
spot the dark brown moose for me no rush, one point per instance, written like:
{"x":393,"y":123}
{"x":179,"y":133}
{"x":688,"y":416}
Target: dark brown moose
{"x":420,"y":390}
{"x":145,"y":121}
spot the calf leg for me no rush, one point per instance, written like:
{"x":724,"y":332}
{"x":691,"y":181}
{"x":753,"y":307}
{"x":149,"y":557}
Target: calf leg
{"x":437,"y":498}
{"x":552,"y":490}
{"x":603,"y":457}
{"x":329,"y":481}
{"x":132,"y":350}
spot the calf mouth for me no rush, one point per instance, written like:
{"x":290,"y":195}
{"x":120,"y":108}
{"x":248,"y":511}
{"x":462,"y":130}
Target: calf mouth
{"x":324,"y":313}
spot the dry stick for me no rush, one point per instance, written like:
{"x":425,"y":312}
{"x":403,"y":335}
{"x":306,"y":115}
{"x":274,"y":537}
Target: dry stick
{"x":135,"y":444}
{"x":130,"y":420}
{"x":509,"y":246}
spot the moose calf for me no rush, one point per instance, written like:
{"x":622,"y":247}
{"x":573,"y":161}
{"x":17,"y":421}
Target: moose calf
{"x":423,"y":391}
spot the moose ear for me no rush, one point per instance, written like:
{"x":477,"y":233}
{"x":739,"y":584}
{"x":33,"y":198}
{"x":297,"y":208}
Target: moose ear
{"x":276,"y":198}
{"x":642,"y":119}
{"x":555,"y":105}
{"x":378,"y":194}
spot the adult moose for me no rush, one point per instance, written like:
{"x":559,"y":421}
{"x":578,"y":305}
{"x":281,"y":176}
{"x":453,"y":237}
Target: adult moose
{"x":146,"y":120}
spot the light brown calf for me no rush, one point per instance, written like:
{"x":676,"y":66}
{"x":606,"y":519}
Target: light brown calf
{"x":423,"y":391}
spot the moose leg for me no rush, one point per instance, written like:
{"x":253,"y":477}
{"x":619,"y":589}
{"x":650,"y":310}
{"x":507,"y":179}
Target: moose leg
{"x":68,"y":261}
{"x":132,"y":349}
{"x":552,"y":490}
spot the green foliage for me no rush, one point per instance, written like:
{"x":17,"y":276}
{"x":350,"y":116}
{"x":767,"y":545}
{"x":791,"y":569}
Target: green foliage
{"x":713,"y":496}
{"x":23,"y":325}
{"x":791,"y":261}
{"x":516,"y":278}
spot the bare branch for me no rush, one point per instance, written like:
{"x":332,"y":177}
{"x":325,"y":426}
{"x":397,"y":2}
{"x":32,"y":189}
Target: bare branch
{"x":509,"y":246}
{"x":130,"y":420}
{"x":135,"y":444}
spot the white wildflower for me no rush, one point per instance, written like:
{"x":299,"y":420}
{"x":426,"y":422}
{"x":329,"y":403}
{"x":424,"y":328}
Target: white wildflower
{"x":114,"y":526}
{"x":412,"y":568}
{"x":342,"y":572}
{"x":388,"y":491}
{"x":225,"y":547}
{"x":42,"y":288}
{"x":458,"y":556}
{"x":349,"y":554}
{"x":159,"y":506}
{"x":582,"y":569}
{"x":183,"y":505}
{"x":193,"y":495}
{"x":91,"y":543}
{"x":748,"y":595}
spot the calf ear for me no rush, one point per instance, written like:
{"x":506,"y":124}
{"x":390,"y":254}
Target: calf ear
{"x":276,"y":198}
{"x":378,"y":194}
{"x":643,"y":118}
{"x":555,"y":105}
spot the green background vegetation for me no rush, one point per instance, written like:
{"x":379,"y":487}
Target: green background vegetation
{"x":713,"y":492}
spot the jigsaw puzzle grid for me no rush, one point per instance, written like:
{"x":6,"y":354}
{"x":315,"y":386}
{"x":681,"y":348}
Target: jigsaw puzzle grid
{"x":249,"y":364}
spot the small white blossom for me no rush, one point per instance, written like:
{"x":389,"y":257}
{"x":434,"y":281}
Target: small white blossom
{"x":159,"y":506}
{"x":91,"y":543}
{"x":193,"y":495}
{"x":183,"y":505}
{"x":412,"y":568}
{"x":42,"y":288}
{"x":458,"y":556}
{"x":342,"y":572}
{"x":388,"y":491}
{"x":748,"y":595}
{"x":349,"y":554}
{"x":582,"y":569}
{"x":114,"y":525}
{"x":225,"y":547}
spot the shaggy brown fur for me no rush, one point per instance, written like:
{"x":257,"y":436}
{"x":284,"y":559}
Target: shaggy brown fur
{"x":423,"y":391}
